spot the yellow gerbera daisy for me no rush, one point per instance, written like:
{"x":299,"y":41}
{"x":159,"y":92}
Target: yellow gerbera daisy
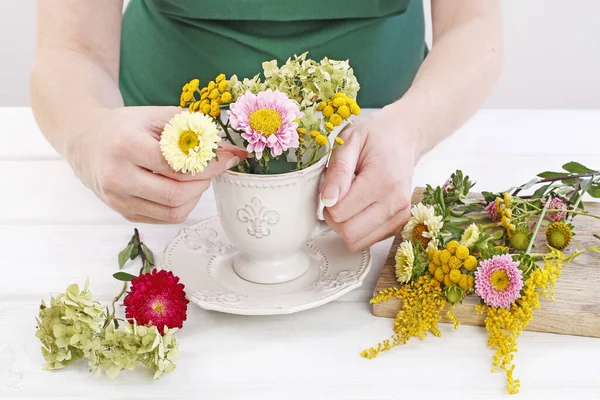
{"x":189,"y":141}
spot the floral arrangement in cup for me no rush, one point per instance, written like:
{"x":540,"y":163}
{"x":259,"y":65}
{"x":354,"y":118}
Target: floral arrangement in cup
{"x":74,"y":326}
{"x":287,"y":113}
{"x":456,"y":246}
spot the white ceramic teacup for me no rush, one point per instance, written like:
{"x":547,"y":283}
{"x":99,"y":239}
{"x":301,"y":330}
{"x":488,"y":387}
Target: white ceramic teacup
{"x":269,"y":218}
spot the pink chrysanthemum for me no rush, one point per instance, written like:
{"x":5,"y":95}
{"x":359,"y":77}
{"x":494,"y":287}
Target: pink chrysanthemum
{"x":266,"y":120}
{"x":157,"y":299}
{"x":498,"y":281}
{"x":557,"y":204}
{"x":492,"y":211}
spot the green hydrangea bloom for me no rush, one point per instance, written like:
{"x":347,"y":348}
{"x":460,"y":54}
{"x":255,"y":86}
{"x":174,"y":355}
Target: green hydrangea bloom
{"x":75,"y":327}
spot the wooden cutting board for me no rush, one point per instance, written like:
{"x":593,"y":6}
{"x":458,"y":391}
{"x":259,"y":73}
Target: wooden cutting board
{"x":576,"y":309}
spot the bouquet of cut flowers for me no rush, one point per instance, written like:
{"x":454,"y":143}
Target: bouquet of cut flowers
{"x":286,"y":117}
{"x":456,"y":245}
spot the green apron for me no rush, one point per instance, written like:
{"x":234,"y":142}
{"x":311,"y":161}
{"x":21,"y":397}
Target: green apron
{"x":165,"y":43}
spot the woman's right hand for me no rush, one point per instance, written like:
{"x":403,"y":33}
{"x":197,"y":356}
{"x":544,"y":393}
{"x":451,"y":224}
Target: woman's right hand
{"x":119,"y":159}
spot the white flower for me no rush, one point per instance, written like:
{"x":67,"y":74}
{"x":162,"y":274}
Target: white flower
{"x":405,"y":259}
{"x":189,"y":142}
{"x":470,"y":236}
{"x":424,"y":226}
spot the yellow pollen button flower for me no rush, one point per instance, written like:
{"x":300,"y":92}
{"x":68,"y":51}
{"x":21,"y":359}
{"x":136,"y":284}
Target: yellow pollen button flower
{"x":223,"y":85}
{"x":355,"y":109}
{"x":203,"y":90}
{"x":301,"y":131}
{"x":314,"y":133}
{"x":321,"y":139}
{"x":446,"y":268}
{"x":213,"y":94}
{"x":187,"y":96}
{"x":437,"y":257}
{"x":204,"y":96}
{"x":335,"y":119}
{"x":430,"y":252}
{"x":321,"y":106}
{"x":445,"y":256}
{"x":506,"y":199}
{"x":339,"y":141}
{"x":464,"y":282}
{"x":226,"y":97}
{"x":301,"y":140}
{"x":439,"y":274}
{"x":462,"y":252}
{"x":470,"y":263}
{"x":194,"y":83}
{"x":455,"y":276}
{"x":452,"y":246}
{"x":205,"y":108}
{"x":329,"y":126}
{"x":339,"y":94}
{"x":327,"y":111}
{"x":447,"y":280}
{"x":344,"y":112}
{"x":339,"y":101}
{"x":215,"y":112}
{"x":219,"y":78}
{"x":471,"y":281}
{"x":211,"y":85}
{"x":454,"y":263}
{"x":432,"y":268}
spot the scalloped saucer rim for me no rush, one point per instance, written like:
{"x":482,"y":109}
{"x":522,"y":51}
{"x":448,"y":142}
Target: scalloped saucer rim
{"x":201,"y":255}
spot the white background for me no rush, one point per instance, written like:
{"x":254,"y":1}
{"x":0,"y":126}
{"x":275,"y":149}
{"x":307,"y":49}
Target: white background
{"x":552,"y":54}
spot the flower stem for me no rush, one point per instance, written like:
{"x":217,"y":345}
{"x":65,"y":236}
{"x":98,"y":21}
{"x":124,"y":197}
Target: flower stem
{"x":574,"y":212}
{"x":538,"y":225}
{"x":560,"y":178}
{"x":226,"y":130}
{"x":597,"y":236}
{"x":117,"y":298}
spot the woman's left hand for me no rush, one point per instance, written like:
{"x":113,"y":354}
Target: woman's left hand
{"x":376,"y":203}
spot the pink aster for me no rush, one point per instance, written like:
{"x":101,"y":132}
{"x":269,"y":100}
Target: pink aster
{"x":557,"y":204}
{"x":492,"y":211}
{"x":266,"y":120}
{"x":498,"y":281}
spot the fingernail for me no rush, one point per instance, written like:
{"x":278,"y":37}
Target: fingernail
{"x":232,"y":162}
{"x":330,"y":195}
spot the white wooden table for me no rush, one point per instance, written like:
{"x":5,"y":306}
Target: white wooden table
{"x":53,"y":232}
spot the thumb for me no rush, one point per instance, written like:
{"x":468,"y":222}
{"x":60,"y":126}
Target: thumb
{"x":340,"y":172}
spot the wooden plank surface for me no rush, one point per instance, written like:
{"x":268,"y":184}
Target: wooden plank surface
{"x":576,"y":310}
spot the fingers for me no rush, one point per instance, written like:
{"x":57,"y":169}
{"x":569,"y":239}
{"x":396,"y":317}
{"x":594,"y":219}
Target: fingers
{"x":140,"y":209}
{"x":363,"y":223}
{"x":360,"y":196}
{"x":165,"y":191}
{"x":361,"y":239}
{"x":341,"y":169}
{"x":150,"y":157}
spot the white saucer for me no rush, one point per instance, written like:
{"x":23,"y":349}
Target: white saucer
{"x":201,"y":255}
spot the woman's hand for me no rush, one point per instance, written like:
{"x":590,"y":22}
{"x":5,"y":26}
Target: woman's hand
{"x":382,"y":153}
{"x":119,"y":158}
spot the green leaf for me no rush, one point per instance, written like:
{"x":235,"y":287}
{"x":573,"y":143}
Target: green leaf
{"x":489,"y":196}
{"x":148,"y":253}
{"x":135,"y":252}
{"x":530,"y":184}
{"x":454,"y":230}
{"x":576,"y":168}
{"x":497,"y":235}
{"x":551,"y":175}
{"x":540,"y":192}
{"x":124,"y":255}
{"x":585,"y":185}
{"x":570,"y":182}
{"x":594,"y":191}
{"x":124,"y":276}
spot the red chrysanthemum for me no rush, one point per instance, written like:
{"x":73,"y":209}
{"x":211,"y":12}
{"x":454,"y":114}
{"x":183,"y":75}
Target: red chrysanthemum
{"x":158,"y":299}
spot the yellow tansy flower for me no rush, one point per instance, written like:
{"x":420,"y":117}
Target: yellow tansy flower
{"x":430,"y":252}
{"x":446,"y":268}
{"x":355,"y":109}
{"x":219,"y":78}
{"x":445,"y":256}
{"x":187,"y":96}
{"x":464,"y":282}
{"x":454,"y":263}
{"x":226,"y":97}
{"x":327,"y":111}
{"x":301,"y":131}
{"x":321,"y":140}
{"x":447,"y":280}
{"x":321,"y":106}
{"x":204,"y":96}
{"x":339,"y":94}
{"x":205,"y":108}
{"x":455,"y":276}
{"x":344,"y":112}
{"x":339,"y":141}
{"x":437,"y":257}
{"x":314,"y":133}
{"x":329,"y":126}
{"x":470,"y":263}
{"x":213,"y":94}
{"x":339,"y":101}
{"x":471,"y":280}
{"x":203,"y":90}
{"x":439,"y":274}
{"x":432,"y":268}
{"x":335,"y":119}
{"x":223,"y":85}
{"x":211,"y":85}
{"x":462,"y":252}
{"x":452,"y":246}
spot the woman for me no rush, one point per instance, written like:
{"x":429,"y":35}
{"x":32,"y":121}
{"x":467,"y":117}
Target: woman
{"x":95,"y":68}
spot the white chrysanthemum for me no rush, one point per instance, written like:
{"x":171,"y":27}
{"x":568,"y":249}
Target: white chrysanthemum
{"x":189,"y":142}
{"x":470,"y":236}
{"x":423,"y":226}
{"x":405,"y":259}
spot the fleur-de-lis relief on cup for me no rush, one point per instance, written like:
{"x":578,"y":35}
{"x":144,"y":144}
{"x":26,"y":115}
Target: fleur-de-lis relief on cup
{"x":258,"y":217}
